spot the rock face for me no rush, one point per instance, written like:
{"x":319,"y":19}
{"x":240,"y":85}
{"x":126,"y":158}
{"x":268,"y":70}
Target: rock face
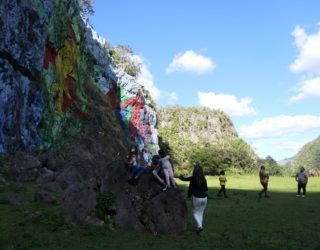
{"x":196,"y":124}
{"x":2,"y":180}
{"x":23,"y":35}
{"x":137,"y":207}
{"x":25,"y":167}
{"x":14,"y":199}
{"x":49,"y":53}
{"x":61,"y":93}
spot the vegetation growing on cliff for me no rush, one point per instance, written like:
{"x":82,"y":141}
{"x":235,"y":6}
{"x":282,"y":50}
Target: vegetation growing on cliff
{"x":200,"y":135}
{"x":308,"y":156}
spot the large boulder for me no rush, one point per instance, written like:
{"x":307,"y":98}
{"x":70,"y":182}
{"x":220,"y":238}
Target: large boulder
{"x":79,"y":199}
{"x":14,"y":199}
{"x":143,"y":206}
{"x":25,"y":167}
{"x":45,"y":197}
{"x":2,"y":180}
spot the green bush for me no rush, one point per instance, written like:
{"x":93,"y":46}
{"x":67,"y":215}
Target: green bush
{"x":122,"y":57}
{"x":104,"y":208}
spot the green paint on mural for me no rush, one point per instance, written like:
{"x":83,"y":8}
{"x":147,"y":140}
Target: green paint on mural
{"x":41,"y":11}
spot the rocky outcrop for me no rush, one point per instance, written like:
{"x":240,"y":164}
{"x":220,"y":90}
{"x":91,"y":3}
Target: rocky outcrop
{"x":143,"y":206}
{"x":308,"y":156}
{"x":202,"y":135}
{"x":23,"y":34}
{"x":49,"y":53}
{"x":14,"y":199}
{"x":25,"y":167}
{"x":62,"y":96}
{"x":2,"y":180}
{"x":196,"y":124}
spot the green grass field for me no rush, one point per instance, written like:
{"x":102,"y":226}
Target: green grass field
{"x":242,"y":221}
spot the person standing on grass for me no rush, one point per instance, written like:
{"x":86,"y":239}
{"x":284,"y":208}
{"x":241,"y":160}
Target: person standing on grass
{"x":223,"y":180}
{"x":198,"y":191}
{"x":264,"y":180}
{"x":302,"y":179}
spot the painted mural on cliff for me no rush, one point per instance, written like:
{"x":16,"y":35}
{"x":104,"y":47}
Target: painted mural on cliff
{"x":43,"y":98}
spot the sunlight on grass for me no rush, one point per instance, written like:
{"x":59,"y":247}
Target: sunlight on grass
{"x":241,"y":221}
{"x":252,"y":183}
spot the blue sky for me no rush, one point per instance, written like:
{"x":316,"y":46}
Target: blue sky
{"x":259,"y":61}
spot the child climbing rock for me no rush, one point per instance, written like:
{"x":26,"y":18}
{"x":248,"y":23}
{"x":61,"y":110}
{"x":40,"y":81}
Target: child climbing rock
{"x":167,"y":170}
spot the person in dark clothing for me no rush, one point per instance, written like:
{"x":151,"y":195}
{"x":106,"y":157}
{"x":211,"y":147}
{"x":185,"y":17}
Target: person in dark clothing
{"x":264,"y":180}
{"x":198,"y":191}
{"x":156,"y":172}
{"x":302,"y":179}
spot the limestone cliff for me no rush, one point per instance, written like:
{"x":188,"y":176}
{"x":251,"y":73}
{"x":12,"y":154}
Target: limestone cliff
{"x":205,"y":136}
{"x":68,"y":114}
{"x":49,"y":53}
{"x":308,"y":156}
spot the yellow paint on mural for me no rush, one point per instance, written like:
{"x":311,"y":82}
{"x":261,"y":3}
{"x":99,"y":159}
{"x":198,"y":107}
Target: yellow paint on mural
{"x":66,"y":66}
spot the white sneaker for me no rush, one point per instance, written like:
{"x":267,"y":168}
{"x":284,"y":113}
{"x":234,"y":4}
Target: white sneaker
{"x":303,"y":196}
{"x":298,"y":195}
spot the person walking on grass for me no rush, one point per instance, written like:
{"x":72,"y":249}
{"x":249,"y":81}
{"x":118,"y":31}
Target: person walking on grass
{"x":223,"y":180}
{"x":264,"y":180}
{"x":302,"y":179}
{"x":198,"y":191}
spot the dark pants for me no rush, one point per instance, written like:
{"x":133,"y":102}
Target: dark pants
{"x":222,"y":189}
{"x":264,"y":190}
{"x":303,"y":186}
{"x":137,"y":171}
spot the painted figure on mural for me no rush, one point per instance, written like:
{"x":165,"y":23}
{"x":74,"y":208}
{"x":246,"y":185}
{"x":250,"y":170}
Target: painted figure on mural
{"x":139,"y":124}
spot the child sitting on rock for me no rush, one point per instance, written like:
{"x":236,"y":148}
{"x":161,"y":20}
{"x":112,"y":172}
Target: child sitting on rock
{"x":167,"y":170}
{"x":157,"y":170}
{"x":136,"y":168}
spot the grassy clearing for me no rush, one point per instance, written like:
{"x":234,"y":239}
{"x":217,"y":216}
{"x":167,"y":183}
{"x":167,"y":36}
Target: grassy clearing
{"x":243,"y":221}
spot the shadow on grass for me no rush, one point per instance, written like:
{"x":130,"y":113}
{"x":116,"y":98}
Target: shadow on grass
{"x":241,"y":221}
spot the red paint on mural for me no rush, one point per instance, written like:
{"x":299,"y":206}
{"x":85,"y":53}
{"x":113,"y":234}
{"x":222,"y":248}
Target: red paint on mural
{"x":71,"y":32}
{"x":49,"y":55}
{"x":112,"y":94}
{"x":137,"y":104}
{"x":70,"y":99}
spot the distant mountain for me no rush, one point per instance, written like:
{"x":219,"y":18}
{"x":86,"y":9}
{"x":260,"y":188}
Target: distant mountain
{"x":308,"y":156}
{"x":205,"y":136}
{"x":284,"y":161}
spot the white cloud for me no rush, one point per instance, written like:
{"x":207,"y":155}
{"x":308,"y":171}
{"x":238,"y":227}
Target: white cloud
{"x":278,"y":126}
{"x":170,"y":97}
{"x":191,"y":61}
{"x":146,"y":79}
{"x":227,"y":103}
{"x":308,"y":89}
{"x":286,"y":144}
{"x":280,"y":147}
{"x":308,"y":59}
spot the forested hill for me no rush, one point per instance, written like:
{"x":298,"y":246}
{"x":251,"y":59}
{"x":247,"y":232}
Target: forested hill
{"x":203,"y":135}
{"x":308,"y":156}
